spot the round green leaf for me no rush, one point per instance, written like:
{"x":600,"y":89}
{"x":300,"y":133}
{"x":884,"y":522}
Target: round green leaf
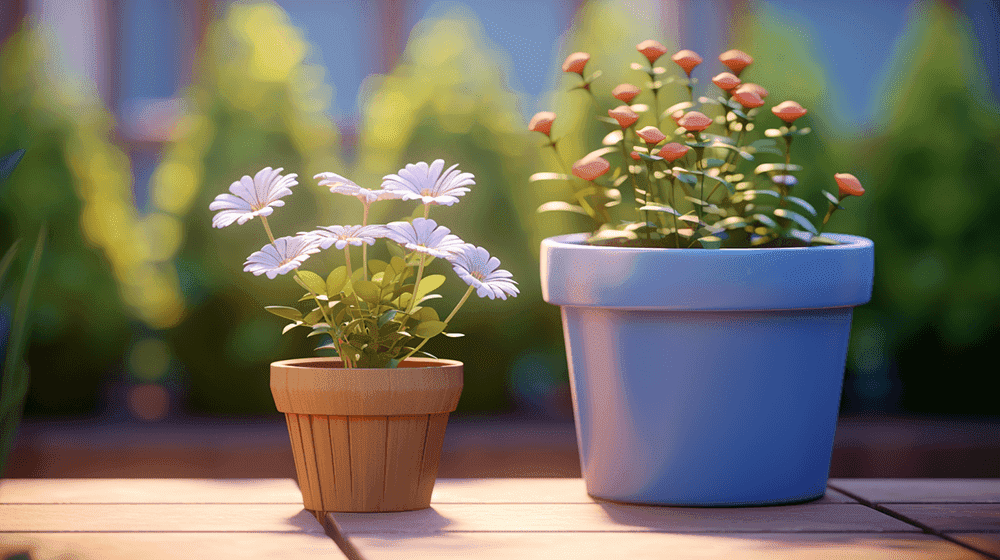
{"x":335,"y":280}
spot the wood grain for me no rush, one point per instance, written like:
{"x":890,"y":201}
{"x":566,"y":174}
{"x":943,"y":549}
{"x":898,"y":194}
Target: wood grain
{"x":150,"y":490}
{"x":287,"y":518}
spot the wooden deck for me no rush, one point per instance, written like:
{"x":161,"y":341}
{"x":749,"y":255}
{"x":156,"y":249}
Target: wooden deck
{"x":489,"y":518}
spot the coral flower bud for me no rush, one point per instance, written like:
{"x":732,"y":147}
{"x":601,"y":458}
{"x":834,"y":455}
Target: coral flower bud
{"x":695,"y":121}
{"x":635,"y":155}
{"x":788,"y":111}
{"x":651,"y":49}
{"x":687,"y":60}
{"x":726,"y":81}
{"x":651,"y":135}
{"x":625,"y":92}
{"x":673,"y":151}
{"x":849,"y":185}
{"x":590,"y":168}
{"x":752,"y":87}
{"x":736,"y":60}
{"x":748,"y":99}
{"x":575,"y":62}
{"x":542,"y":122}
{"x":676,"y":116}
{"x":625,"y":116}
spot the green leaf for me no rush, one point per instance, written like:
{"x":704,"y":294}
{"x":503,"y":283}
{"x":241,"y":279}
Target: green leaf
{"x":311,"y":281}
{"x":829,"y":196}
{"x":713,"y":162}
{"x":291,"y":326}
{"x":313,"y":317}
{"x":559,"y":205}
{"x":659,"y":208}
{"x":710,"y":242}
{"x":734,"y":222}
{"x":453,"y":334}
{"x":797,"y":218}
{"x":824,"y":241}
{"x":427,"y":314}
{"x":318,"y":329}
{"x":336,"y":280}
{"x":8,"y":258}
{"x":368,"y":291}
{"x":729,"y":186}
{"x":766,"y":220}
{"x":428,"y":284}
{"x":547,"y":176}
{"x":769,"y":167}
{"x":803,"y":204}
{"x":289,"y":313}
{"x":395,"y":250}
{"x":427,"y":329}
{"x":387,"y":316}
{"x":9,"y":162}
{"x":375,"y":266}
{"x":773,"y":133}
{"x":613,"y":138}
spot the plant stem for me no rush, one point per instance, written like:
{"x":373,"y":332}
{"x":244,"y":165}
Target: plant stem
{"x":582,"y":200}
{"x":446,"y":321}
{"x":416,"y":285}
{"x":628,"y":169}
{"x":677,"y":235}
{"x":364,"y":246}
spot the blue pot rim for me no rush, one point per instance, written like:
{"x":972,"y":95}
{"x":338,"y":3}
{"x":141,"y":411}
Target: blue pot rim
{"x":577,"y":274}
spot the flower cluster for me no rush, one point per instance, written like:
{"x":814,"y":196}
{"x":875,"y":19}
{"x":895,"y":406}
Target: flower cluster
{"x":666,"y":159}
{"x":381,"y":320}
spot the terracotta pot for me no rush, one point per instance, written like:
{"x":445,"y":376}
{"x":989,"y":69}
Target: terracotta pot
{"x":366,"y":440}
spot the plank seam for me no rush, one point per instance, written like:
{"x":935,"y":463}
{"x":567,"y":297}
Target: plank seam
{"x":920,"y":525}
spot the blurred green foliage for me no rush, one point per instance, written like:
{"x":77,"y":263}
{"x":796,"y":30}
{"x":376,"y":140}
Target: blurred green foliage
{"x":934,"y":195}
{"x":254,"y":103}
{"x":76,"y":181}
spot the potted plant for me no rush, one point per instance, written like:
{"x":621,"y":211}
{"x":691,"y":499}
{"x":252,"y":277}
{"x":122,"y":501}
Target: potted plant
{"x":706,"y":318}
{"x":367,"y":426}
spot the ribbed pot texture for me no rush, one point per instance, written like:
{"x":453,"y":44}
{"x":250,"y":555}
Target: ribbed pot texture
{"x":366,"y":440}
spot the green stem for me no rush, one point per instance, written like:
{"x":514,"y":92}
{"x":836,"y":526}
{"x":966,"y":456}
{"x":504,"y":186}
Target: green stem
{"x":364,"y":246}
{"x":446,"y":321}
{"x":677,"y":235}
{"x":628,"y":169}
{"x":416,"y":285}
{"x":582,"y":200}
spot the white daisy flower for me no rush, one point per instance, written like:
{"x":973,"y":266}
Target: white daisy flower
{"x":286,"y":254}
{"x":343,"y":185}
{"x":342,"y":236}
{"x":252,"y":197}
{"x":479,"y":270}
{"x":424,"y":236}
{"x":428,"y":184}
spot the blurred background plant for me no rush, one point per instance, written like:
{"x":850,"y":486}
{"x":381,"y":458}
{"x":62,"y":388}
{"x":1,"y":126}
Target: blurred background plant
{"x":134,"y":292}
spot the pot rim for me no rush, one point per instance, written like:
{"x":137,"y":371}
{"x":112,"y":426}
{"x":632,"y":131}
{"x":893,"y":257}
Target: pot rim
{"x":576,"y":240}
{"x":664,"y":279}
{"x":317,"y":362}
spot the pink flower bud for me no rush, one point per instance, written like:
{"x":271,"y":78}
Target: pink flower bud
{"x":590,"y":168}
{"x":788,"y":111}
{"x":748,"y":99}
{"x":542,"y":122}
{"x":651,"y":49}
{"x":695,"y":121}
{"x":752,"y":87}
{"x":849,"y":185}
{"x":576,"y":62}
{"x":687,"y":60}
{"x":625,"y":116}
{"x":676,"y":116}
{"x":726,"y":81}
{"x":673,"y":151}
{"x":651,"y":135}
{"x":625,"y":92}
{"x":736,"y":60}
{"x":635,"y":155}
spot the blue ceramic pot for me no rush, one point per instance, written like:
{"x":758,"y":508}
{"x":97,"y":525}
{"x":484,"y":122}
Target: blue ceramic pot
{"x":706,"y":377}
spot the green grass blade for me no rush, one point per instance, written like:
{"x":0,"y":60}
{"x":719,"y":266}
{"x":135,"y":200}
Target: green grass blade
{"x":8,"y":258}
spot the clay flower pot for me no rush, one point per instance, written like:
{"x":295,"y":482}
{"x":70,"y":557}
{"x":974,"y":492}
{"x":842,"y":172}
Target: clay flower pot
{"x":366,"y":440}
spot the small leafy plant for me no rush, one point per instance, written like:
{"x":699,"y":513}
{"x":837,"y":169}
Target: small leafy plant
{"x":704,"y":187}
{"x":375,"y":315}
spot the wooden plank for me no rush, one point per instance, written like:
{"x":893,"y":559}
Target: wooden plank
{"x":169,"y":546}
{"x":922,"y":490}
{"x":287,"y":518}
{"x":150,"y":490}
{"x":608,"y":517}
{"x":313,"y":499}
{"x":657,"y":546}
{"x":368,"y":439}
{"x":952,"y":517}
{"x":298,"y":455}
{"x":986,"y":542}
{"x":538,"y":490}
{"x":340,"y":444}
